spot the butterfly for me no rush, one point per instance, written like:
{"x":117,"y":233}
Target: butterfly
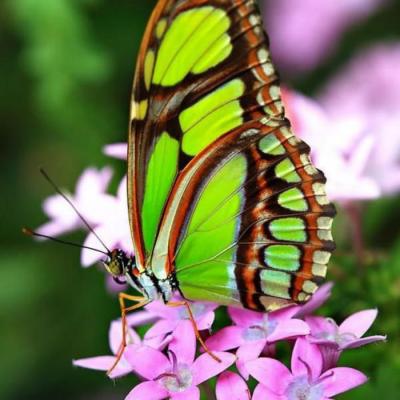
{"x":224,"y":202}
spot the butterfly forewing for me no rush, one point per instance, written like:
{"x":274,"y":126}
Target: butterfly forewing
{"x":221,"y":193}
{"x":203,"y":70}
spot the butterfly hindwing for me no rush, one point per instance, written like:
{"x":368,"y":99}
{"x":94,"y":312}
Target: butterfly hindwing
{"x":253,"y":227}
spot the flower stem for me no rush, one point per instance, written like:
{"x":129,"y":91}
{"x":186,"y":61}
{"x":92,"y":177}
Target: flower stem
{"x":354,"y":212}
{"x":208,"y":390}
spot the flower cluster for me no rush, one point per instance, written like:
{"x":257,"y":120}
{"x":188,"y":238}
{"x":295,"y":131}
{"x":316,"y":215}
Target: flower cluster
{"x":167,"y":359}
{"x":171,"y":366}
{"x":354,"y":138}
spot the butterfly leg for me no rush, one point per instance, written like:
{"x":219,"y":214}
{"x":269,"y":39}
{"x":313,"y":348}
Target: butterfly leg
{"x":140,"y":302}
{"x":193,"y":321}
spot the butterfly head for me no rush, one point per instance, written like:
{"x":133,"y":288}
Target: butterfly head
{"x":119,"y":265}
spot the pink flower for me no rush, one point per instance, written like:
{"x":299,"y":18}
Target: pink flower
{"x":177,"y":376}
{"x":111,"y":224}
{"x":231,"y":386}
{"x":253,"y":331}
{"x":91,"y":185}
{"x":104,"y":363}
{"x":105,"y":213}
{"x":306,"y":380}
{"x":372,"y":126}
{"x":170,"y":318}
{"x":304,"y":33}
{"x":333,"y":339}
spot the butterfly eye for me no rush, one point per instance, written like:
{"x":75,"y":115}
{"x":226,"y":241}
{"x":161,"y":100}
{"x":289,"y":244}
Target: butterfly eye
{"x":114,"y":266}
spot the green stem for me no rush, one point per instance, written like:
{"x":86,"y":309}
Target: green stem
{"x":208,"y":390}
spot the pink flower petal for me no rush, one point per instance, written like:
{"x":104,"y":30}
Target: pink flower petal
{"x":147,"y":391}
{"x":94,"y":181}
{"x":163,"y":311}
{"x":246,"y":352}
{"x":364,"y":341}
{"x":56,"y":228}
{"x":205,"y":322}
{"x":98,"y":209}
{"x":289,"y":329}
{"x":271,"y":373}
{"x":205,"y":367}
{"x":161,"y":327}
{"x":231,"y":386}
{"x":120,"y":370}
{"x":358,"y":323}
{"x":362,"y":154}
{"x":306,"y":359}
{"x":183,"y":343}
{"x":262,"y":393}
{"x":146,"y":361}
{"x":339,"y":380}
{"x":115,"y":336}
{"x":226,"y":339}
{"x":192,"y":393}
{"x":116,"y":150}
{"x":244,"y":317}
{"x":158,"y":342}
{"x":139,"y":318}
{"x":100,"y":363}
{"x":90,"y":257}
{"x":57,"y":208}
{"x":104,"y":363}
{"x":63,"y":218}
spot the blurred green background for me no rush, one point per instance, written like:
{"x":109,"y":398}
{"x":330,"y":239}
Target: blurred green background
{"x":66,"y":73}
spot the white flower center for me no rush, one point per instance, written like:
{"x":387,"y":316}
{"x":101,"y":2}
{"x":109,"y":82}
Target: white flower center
{"x":334,"y":336}
{"x":344,"y":338}
{"x":178,"y":380}
{"x":260,"y":331}
{"x":301,"y":389}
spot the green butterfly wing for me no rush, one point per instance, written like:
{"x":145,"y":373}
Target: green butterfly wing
{"x":221,"y":194}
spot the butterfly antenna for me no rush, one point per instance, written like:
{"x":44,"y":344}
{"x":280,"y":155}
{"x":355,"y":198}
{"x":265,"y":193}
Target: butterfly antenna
{"x":30,"y":232}
{"x":58,"y":190}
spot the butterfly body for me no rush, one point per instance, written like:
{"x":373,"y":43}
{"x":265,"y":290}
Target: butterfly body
{"x":225,"y":204}
{"x":123,"y":269}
